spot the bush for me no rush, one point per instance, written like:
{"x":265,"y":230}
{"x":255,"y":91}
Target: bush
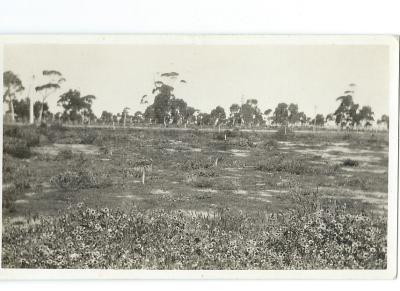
{"x":350,"y":163}
{"x":28,"y":134}
{"x":208,"y":172}
{"x":202,"y":182}
{"x":269,"y":144}
{"x":241,"y":142}
{"x":88,"y":137}
{"x":56,"y":132}
{"x":9,"y":197}
{"x":219,"y":136}
{"x":280,"y":163}
{"x":65,"y":155}
{"x":75,"y":180}
{"x":196,"y":164}
{"x":16,"y":148}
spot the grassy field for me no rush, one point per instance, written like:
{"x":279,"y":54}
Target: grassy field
{"x":228,"y":200}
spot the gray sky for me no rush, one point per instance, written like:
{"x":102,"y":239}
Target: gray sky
{"x":118,"y":75}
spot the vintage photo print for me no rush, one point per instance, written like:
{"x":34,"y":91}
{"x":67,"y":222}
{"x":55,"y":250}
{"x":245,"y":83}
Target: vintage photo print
{"x":199,"y":156}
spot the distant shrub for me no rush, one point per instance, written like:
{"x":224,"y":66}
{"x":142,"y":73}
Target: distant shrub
{"x":29,"y":134}
{"x":88,"y":137}
{"x":241,"y":142}
{"x":347,"y":136}
{"x":196,"y":164}
{"x":284,"y":133}
{"x":280,"y":163}
{"x":208,"y":172}
{"x":226,"y":185}
{"x":269,"y":144}
{"x":16,"y":147}
{"x":232,"y":133}
{"x":9,"y":198}
{"x":202,"y":182}
{"x":350,"y":163}
{"x":355,"y":182}
{"x":219,"y":135}
{"x":57,"y":127}
{"x":75,"y":180}
{"x":65,"y":155}
{"x":328,"y":169}
{"x":56,"y":132}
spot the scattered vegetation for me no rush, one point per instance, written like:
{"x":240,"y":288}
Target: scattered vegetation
{"x":253,"y":178}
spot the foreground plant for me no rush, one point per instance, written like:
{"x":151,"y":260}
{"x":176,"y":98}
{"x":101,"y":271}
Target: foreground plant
{"x":312,"y":237}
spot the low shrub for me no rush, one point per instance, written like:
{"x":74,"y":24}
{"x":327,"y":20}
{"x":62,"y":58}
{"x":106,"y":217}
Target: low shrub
{"x":241,"y":142}
{"x":75,"y":180}
{"x":202,"y":182}
{"x":350,"y":163}
{"x":280,"y":163}
{"x":355,"y":182}
{"x":269,"y":144}
{"x":196,"y":164}
{"x":205,"y":172}
{"x":220,"y":136}
{"x":28,"y":134}
{"x":88,"y":137}
{"x":64,"y":155}
{"x":9,"y":198}
{"x":232,"y":133}
{"x":16,"y":147}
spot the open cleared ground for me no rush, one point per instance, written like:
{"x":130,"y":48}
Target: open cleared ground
{"x":201,"y":176}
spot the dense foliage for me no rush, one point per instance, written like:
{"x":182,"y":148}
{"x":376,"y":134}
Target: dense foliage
{"x":307,"y":237}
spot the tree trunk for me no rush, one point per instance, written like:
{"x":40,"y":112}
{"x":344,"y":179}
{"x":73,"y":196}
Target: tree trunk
{"x":143,"y":175}
{"x":40,"y":114}
{"x":12,"y":110}
{"x":31,"y":117}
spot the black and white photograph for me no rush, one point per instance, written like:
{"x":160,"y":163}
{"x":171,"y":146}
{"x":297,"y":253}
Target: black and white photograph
{"x":200,"y":153}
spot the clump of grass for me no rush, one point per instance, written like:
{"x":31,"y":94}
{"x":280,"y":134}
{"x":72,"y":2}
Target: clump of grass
{"x":75,"y":180}
{"x":226,"y":185}
{"x":196,"y":164}
{"x":64,"y":155}
{"x":350,"y":163}
{"x":202,"y":182}
{"x":88,"y":136}
{"x":202,"y":178}
{"x":355,"y":182}
{"x":269,"y":144}
{"x":280,"y":163}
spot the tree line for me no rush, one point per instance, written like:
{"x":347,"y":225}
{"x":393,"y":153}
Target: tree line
{"x":167,"y":109}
